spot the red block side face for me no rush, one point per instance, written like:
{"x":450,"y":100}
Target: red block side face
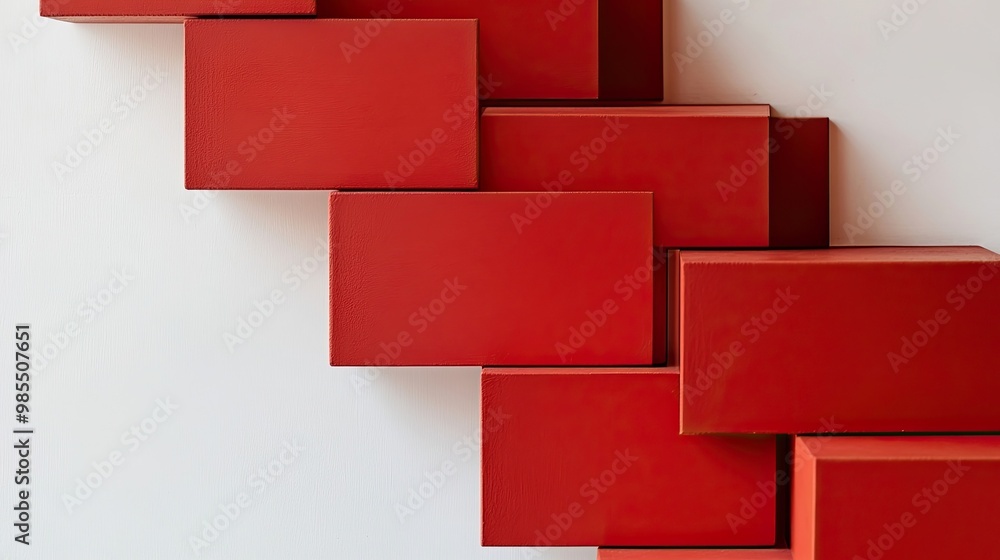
{"x":708,"y":167}
{"x":491,"y":278}
{"x":915,"y":329}
{"x":286,"y":105}
{"x":593,"y":457}
{"x":140,"y":11}
{"x":800,"y":183}
{"x":911,"y":507}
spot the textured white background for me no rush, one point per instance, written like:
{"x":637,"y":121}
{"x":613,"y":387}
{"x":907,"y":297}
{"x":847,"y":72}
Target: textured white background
{"x":199,"y":264}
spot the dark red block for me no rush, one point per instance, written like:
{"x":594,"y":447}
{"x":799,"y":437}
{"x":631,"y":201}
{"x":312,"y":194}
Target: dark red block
{"x":593,"y":457}
{"x":280,"y":104}
{"x":879,"y":339}
{"x":707,"y":166}
{"x":693,"y":554}
{"x":543,"y":50}
{"x":799,"y":203}
{"x":896,"y":498}
{"x":481,"y":279}
{"x":169,"y":11}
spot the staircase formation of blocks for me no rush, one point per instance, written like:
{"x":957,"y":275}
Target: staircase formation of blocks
{"x":676,"y":365}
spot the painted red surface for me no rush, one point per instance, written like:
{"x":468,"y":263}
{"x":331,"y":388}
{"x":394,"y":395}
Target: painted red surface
{"x":692,"y":554}
{"x":143,"y":11}
{"x":799,"y":203}
{"x":896,"y":498}
{"x":708,"y":166}
{"x":592,"y":457}
{"x":866,"y":339}
{"x":546,"y":49}
{"x":491,"y":279}
{"x":280,"y":104}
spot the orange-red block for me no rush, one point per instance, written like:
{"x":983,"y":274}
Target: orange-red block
{"x":593,"y":457}
{"x":169,"y":11}
{"x":469,"y":279}
{"x":896,"y":498}
{"x":722,"y":176}
{"x":693,"y":554}
{"x":549,"y":49}
{"x":281,"y":104}
{"x":867,"y":339}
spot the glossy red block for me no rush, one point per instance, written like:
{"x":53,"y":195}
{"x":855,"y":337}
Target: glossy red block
{"x":280,"y":104}
{"x":693,"y":554}
{"x":875,"y":339}
{"x":896,"y":498}
{"x":593,"y":457}
{"x":169,"y":11}
{"x":484,"y":279}
{"x":707,"y":166}
{"x":544,"y":50}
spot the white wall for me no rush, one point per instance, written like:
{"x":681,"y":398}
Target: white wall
{"x":194,"y":267}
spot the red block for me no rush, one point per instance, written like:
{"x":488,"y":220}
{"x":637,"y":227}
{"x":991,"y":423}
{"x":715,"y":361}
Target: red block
{"x":869,"y":339}
{"x":707,"y":166}
{"x":281,"y":105}
{"x":592,"y":457}
{"x":543,"y":50}
{"x":483,"y":279}
{"x":896,"y":498}
{"x":169,"y":11}
{"x":693,"y":554}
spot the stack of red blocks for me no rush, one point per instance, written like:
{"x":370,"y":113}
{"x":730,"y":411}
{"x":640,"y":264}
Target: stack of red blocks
{"x":649,"y":289}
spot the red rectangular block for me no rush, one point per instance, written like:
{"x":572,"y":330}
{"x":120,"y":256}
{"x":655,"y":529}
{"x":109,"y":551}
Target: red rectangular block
{"x":707,"y":166}
{"x":169,"y":11}
{"x":469,"y":279}
{"x":879,"y":339}
{"x":593,"y":457}
{"x":279,"y":104}
{"x":693,"y":554}
{"x":896,"y":498}
{"x":548,"y":49}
